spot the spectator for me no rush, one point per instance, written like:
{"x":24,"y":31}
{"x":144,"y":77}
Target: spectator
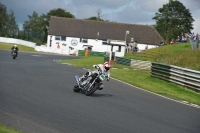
{"x":198,"y":40}
{"x":197,"y":37}
{"x":146,"y":47}
{"x":131,"y":45}
{"x":192,"y":36}
{"x":161,"y":43}
{"x":172,"y":41}
{"x":127,"y":47}
{"x":178,"y":39}
{"x":182,"y":39}
{"x":136,"y":45}
{"x":185,"y":38}
{"x":135,"y":48}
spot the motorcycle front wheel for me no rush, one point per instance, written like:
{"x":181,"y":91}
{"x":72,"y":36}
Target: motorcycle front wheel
{"x":76,"y":88}
{"x":92,"y":90}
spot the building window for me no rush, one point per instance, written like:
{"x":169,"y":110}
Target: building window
{"x":104,"y":42}
{"x":63,"y":38}
{"x":119,"y":48}
{"x":90,"y":48}
{"x":57,"y":38}
{"x":84,"y":40}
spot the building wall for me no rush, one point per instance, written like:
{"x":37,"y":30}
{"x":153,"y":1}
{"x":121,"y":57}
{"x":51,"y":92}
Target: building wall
{"x":67,"y":47}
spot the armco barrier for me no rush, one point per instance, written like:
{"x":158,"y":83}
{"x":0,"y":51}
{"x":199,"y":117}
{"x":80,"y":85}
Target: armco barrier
{"x":123,"y":61}
{"x":182,"y":76}
{"x":106,"y":58}
{"x":81,"y":53}
{"x":91,"y":53}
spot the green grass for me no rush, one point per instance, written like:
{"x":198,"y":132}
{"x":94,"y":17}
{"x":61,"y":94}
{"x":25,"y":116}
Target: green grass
{"x":8,"y":46}
{"x":87,"y":62}
{"x":142,"y":79}
{"x":5,"y":129}
{"x":180,"y":55}
{"x":84,"y":61}
{"x":188,"y":59}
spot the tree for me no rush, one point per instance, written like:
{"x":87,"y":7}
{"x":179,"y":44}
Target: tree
{"x":36,"y":28}
{"x":33,"y":29}
{"x":3,"y":18}
{"x":59,"y":13}
{"x":55,"y":12}
{"x":34,"y":24}
{"x":8,"y":25}
{"x":11,"y":25}
{"x":98,"y":18}
{"x":173,"y":19}
{"x":94,"y":18}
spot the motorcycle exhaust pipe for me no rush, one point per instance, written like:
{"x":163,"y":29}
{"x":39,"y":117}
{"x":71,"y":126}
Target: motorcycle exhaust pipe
{"x":77,"y":78}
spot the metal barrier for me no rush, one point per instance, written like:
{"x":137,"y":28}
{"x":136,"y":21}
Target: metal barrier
{"x":123,"y":61}
{"x":182,"y":76}
{"x":91,"y":53}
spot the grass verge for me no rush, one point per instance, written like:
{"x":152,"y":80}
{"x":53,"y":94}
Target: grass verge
{"x":8,"y":46}
{"x":5,"y":129}
{"x":180,"y":55}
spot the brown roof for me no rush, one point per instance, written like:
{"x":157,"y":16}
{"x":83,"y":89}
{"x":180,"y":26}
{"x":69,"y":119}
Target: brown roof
{"x":89,"y":29}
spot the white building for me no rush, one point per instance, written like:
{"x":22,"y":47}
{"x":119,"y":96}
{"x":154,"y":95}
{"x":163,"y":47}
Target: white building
{"x":68,"y":35}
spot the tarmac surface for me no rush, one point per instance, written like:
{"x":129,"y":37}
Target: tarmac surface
{"x":36,"y":96}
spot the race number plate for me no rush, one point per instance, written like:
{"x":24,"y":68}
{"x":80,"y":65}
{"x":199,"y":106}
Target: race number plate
{"x":102,"y":77}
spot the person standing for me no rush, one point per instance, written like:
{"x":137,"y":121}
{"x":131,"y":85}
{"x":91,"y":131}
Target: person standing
{"x":135,"y":48}
{"x":146,"y":47}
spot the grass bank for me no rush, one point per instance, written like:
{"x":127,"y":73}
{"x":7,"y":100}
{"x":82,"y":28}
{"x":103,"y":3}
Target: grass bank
{"x":8,"y":46}
{"x":180,"y":55}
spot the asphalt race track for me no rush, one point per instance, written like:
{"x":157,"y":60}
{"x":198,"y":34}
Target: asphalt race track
{"x":36,"y":96}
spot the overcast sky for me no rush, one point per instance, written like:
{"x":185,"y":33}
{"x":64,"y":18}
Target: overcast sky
{"x":123,"y":11}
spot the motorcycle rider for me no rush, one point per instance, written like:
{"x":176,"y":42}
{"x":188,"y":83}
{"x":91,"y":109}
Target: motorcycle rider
{"x":105,"y":68}
{"x":15,"y":47}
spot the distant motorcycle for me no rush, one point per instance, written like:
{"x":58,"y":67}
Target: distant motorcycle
{"x":89,"y":84}
{"x":14,"y":53}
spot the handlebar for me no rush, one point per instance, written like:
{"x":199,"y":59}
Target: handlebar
{"x":99,"y":69}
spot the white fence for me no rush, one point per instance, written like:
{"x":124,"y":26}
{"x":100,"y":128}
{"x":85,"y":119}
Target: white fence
{"x":46,"y":49}
{"x":17,"y":41}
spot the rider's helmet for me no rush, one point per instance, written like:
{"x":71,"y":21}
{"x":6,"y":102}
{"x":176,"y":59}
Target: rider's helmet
{"x":15,"y":45}
{"x":107,"y":66}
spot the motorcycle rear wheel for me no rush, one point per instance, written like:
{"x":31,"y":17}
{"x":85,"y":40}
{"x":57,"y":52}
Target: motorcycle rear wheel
{"x":76,"y":88}
{"x":95,"y":87}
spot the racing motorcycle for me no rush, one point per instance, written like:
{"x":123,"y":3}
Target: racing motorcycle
{"x":89,"y":84}
{"x":14,"y":53}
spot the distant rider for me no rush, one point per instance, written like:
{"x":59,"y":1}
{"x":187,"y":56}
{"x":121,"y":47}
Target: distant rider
{"x":105,"y":69}
{"x":15,"y":47}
